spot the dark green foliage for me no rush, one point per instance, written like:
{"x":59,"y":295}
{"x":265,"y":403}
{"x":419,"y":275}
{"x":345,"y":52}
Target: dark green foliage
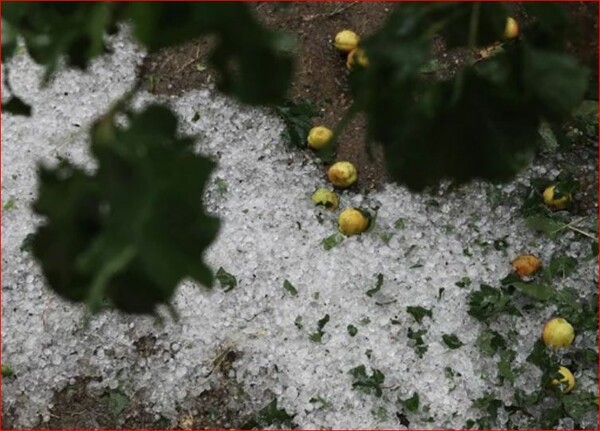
{"x":226,"y":280}
{"x":417,"y":338}
{"x":135,"y":228}
{"x":481,"y":123}
{"x":452,"y":341}
{"x":317,"y":336}
{"x":367,"y":384}
{"x":52,"y":30}
{"x":16,"y":106}
{"x":377,"y":287}
{"x":352,"y":330}
{"x":271,"y":416}
{"x":419,"y":313}
{"x":298,"y":121}
{"x":290,"y":288}
{"x":488,"y":302}
{"x":490,"y":341}
{"x":411,"y":404}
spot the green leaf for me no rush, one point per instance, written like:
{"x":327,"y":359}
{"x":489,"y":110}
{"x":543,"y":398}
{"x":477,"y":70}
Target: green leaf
{"x":411,"y":404}
{"x":298,"y":322}
{"x":317,"y":336}
{"x":400,"y":224}
{"x":9,"y":204}
{"x":52,"y":31}
{"x":556,"y":80}
{"x":16,"y":106}
{"x":419,"y":312}
{"x":488,"y":302}
{"x":464,"y":282}
{"x":418,"y":343}
{"x":7,"y":371}
{"x":414,"y":117}
{"x":226,"y":280}
{"x":548,"y":137}
{"x":117,"y":403}
{"x":365,"y":383}
{"x":579,"y":403}
{"x":490,"y":342}
{"x":271,"y":416}
{"x":452,"y":341}
{"x":560,"y":266}
{"x":505,"y":368}
{"x":290,"y":288}
{"x":542,"y":292}
{"x":332,"y":241}
{"x":318,"y":399}
{"x":131,"y":231}
{"x":352,"y":330}
{"x":501,"y":244}
{"x":540,"y":356}
{"x":377,"y":287}
{"x":298,"y":120}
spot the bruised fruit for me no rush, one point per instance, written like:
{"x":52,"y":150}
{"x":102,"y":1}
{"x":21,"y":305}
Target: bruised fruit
{"x":342,"y":174}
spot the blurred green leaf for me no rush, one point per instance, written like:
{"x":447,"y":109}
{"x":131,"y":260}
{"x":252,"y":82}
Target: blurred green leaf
{"x":135,"y":228}
{"x":16,"y":106}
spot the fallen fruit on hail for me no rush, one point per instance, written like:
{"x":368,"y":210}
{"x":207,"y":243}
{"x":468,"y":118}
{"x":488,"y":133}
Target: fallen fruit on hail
{"x":342,"y":174}
{"x":557,"y":202}
{"x":352,"y":222}
{"x":319,"y":137}
{"x":526,"y":265}
{"x":511,"y":30}
{"x":558,"y":333}
{"x":567,"y":382}
{"x":326,"y":198}
{"x":346,"y":40}
{"x":357,"y":56}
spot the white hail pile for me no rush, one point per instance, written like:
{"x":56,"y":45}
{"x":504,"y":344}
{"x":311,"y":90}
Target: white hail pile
{"x":270,"y":233}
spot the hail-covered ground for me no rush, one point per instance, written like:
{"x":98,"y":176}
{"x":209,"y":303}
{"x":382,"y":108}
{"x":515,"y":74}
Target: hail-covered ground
{"x":271,"y":232}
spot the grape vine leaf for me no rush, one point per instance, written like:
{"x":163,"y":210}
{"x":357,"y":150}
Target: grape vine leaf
{"x":127,"y":234}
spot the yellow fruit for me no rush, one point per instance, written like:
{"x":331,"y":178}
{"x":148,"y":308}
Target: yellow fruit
{"x":567,"y":383}
{"x":556,"y":203}
{"x":357,"y":56}
{"x":352,"y":222}
{"x":319,"y":137}
{"x":511,"y":30}
{"x":526,"y":265}
{"x":346,"y":40}
{"x":342,"y":174}
{"x":326,"y":198}
{"x":558,"y":333}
